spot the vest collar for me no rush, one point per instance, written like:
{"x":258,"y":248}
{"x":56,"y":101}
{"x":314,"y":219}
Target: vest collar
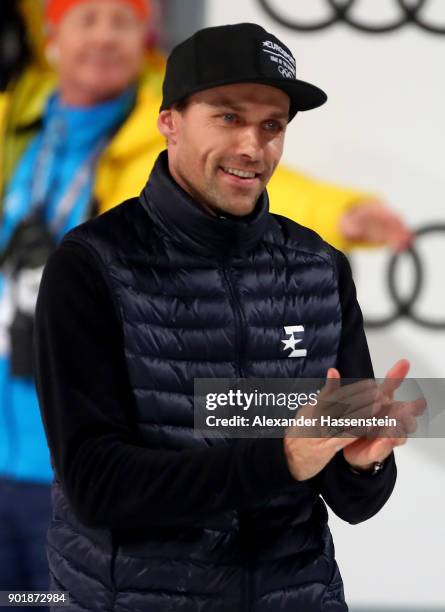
{"x":187,"y":223}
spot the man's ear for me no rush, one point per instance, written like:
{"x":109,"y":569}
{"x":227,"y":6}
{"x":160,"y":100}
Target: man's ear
{"x":52,"y":50}
{"x":51,"y":44}
{"x":167,"y":125}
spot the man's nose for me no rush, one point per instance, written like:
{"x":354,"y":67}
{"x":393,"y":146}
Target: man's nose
{"x":105,"y":32}
{"x":250,"y":143}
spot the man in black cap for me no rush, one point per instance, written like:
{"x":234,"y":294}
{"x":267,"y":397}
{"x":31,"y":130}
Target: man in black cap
{"x":195,"y":279}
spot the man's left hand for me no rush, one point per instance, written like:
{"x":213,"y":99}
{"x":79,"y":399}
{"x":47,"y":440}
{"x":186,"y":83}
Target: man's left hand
{"x":364,"y":452}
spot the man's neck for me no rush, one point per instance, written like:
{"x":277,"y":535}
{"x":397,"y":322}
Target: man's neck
{"x":208,"y":208}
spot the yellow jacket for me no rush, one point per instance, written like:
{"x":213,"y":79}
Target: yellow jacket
{"x":126,"y":162}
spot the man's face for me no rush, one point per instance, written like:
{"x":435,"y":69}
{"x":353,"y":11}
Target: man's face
{"x":226,"y":144}
{"x":100,"y":47}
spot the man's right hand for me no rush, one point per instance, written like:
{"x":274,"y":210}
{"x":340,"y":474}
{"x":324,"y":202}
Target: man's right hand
{"x":306,"y":457}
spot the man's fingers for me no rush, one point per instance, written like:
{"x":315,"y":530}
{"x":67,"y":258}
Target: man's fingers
{"x":382,"y":447}
{"x":395,"y":377}
{"x":419,"y":406}
{"x":400,"y":410}
{"x":399,"y":441}
{"x":399,"y":370}
{"x":348,"y":392}
{"x":336,"y":443}
{"x":414,"y":408}
{"x":402,"y":241}
{"x":408,"y":411}
{"x":360,"y":406}
{"x":331,"y":385}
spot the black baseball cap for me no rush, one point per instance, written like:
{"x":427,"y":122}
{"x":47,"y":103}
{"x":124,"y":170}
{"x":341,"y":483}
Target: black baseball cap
{"x":239,"y":53}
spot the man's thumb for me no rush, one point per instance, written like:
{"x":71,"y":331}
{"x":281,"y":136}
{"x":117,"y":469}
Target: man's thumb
{"x":332,"y":380}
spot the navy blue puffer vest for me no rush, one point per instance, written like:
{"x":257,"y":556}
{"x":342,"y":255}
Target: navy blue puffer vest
{"x":200,"y":296}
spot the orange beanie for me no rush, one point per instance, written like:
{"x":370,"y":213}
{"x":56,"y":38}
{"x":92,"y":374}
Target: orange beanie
{"x":55,"y":9}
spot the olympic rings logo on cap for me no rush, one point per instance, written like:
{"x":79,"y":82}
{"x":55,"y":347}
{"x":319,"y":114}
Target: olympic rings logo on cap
{"x":287,"y":74}
{"x":341,"y":12}
{"x":404,"y":306}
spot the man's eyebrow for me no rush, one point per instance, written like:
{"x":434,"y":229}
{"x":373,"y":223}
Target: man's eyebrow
{"x":280,"y":115}
{"x":232,"y":105}
{"x":227,"y":103}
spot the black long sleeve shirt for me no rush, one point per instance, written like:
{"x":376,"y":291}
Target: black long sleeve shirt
{"x":109,"y":477}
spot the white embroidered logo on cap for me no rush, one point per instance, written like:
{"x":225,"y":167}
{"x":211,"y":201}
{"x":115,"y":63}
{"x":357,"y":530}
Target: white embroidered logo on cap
{"x":283,"y":61}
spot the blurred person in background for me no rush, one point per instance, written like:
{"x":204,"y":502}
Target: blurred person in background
{"x":52,"y":144}
{"x":15,"y":52}
{"x":78,"y":138}
{"x":25,"y":78}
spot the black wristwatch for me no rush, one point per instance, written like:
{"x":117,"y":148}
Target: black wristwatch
{"x":377,"y":467}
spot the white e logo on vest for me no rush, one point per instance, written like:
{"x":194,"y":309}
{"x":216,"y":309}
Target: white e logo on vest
{"x":291,"y":342}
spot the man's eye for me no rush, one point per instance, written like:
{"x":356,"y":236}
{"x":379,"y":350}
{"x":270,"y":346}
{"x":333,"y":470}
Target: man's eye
{"x":124,"y":22}
{"x":273,"y":126}
{"x":229,"y":117}
{"x":87,"y":19}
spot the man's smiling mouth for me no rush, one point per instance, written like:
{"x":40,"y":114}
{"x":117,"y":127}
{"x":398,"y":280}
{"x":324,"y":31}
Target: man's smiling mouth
{"x":244,"y":174}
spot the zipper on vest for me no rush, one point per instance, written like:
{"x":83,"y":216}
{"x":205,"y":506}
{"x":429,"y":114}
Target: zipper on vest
{"x":247,"y":563}
{"x":248,"y":583}
{"x":239,"y":323}
{"x":240,"y":326}
{"x":114,"y":549}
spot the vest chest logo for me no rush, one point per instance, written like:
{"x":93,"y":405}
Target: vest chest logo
{"x":292,"y":341}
